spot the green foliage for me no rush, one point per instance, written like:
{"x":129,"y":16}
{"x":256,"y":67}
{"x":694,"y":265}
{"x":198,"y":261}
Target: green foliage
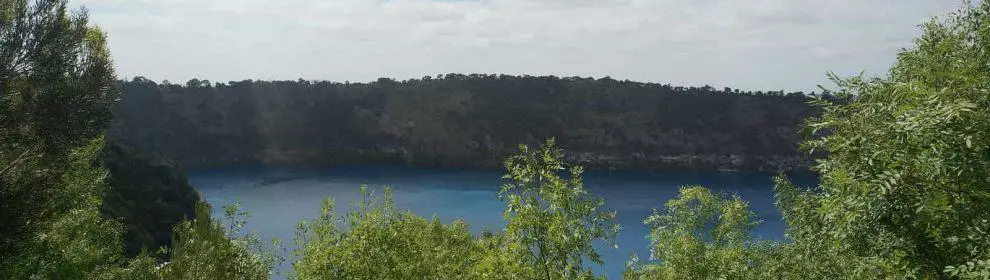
{"x":204,"y":249}
{"x":979,"y":265}
{"x":810,"y":255}
{"x":462,"y":121}
{"x":56,"y":75}
{"x":701,"y":235}
{"x":905,"y":182}
{"x":76,"y":242}
{"x":56,"y":92}
{"x":551,"y":220}
{"x":904,"y":189}
{"x":379,"y":242}
{"x":149,"y":198}
{"x":977,"y":269}
{"x":80,"y":243}
{"x":55,"y":98}
{"x":551,"y":225}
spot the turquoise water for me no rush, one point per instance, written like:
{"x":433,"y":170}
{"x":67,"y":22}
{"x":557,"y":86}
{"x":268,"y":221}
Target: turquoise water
{"x":278,"y":198}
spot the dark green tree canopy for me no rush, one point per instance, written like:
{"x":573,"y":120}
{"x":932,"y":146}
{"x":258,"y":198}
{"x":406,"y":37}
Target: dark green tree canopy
{"x":459,"y":120}
{"x":56,"y":92}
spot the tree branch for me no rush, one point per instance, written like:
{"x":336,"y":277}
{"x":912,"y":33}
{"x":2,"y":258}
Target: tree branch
{"x":22,"y":157}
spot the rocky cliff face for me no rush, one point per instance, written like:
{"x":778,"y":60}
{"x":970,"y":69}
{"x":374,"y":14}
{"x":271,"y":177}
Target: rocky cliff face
{"x":462,"y":121}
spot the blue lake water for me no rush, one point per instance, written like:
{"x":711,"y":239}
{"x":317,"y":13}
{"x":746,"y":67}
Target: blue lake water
{"x":278,"y":198}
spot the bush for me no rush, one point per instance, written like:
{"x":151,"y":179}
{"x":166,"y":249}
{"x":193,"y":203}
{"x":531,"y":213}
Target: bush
{"x":380,"y":242}
{"x":701,"y":235}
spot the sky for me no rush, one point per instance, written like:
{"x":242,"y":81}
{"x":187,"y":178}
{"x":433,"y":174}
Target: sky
{"x":747,"y":44}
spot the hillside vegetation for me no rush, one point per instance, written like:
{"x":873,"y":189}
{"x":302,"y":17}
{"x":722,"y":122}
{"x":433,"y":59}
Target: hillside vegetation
{"x":458,"y":120}
{"x":904,"y":192}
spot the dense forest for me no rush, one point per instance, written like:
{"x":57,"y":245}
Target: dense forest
{"x":458,"y":120}
{"x":904,"y":188}
{"x":149,"y":196}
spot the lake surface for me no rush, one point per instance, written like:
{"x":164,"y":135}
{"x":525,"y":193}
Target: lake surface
{"x":278,"y":198}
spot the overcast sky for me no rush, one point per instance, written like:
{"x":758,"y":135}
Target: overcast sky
{"x":748,"y":44}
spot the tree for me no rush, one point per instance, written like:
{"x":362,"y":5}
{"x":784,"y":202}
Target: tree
{"x":193,"y":83}
{"x":148,"y":197}
{"x":701,"y":235}
{"x":56,"y":88}
{"x":73,"y":241}
{"x":380,"y":242}
{"x":551,"y":225}
{"x":905,"y":188}
{"x":463,"y":121}
{"x":551,"y":220}
{"x":204,"y":249}
{"x":56,"y":92}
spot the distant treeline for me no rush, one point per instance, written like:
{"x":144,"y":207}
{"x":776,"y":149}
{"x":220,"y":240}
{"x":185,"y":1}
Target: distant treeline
{"x":459,"y":120}
{"x":903,"y":193}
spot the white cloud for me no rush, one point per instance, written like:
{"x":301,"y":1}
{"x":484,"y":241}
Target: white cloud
{"x":751,"y":44}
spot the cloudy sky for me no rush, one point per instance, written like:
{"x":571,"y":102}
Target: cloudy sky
{"x":748,"y":44}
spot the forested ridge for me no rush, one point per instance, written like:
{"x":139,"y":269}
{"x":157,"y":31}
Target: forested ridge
{"x":459,"y":120}
{"x":904,"y":187}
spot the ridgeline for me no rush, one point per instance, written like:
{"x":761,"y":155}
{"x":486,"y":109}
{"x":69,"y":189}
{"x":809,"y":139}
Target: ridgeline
{"x":455,"y":120}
